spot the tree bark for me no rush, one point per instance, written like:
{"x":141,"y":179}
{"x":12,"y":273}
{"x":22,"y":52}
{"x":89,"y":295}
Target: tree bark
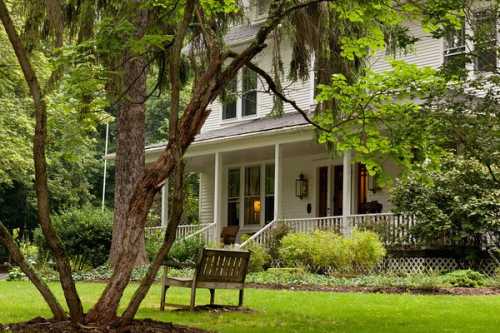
{"x":206,"y":89}
{"x":41,"y":187}
{"x":18,"y":257}
{"x":170,"y":234}
{"x":129,"y":160}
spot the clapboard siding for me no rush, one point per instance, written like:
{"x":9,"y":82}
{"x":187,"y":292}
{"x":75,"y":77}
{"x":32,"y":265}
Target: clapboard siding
{"x":428,"y":51}
{"x":206,"y":198}
{"x":299,"y":91}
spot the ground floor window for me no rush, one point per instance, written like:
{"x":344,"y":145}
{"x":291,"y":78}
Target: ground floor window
{"x":253,"y":186}
{"x":233,"y":198}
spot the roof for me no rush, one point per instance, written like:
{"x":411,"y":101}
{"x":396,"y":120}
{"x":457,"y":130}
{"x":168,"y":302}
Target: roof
{"x":254,"y":126}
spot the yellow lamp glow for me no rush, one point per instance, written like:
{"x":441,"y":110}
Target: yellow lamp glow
{"x":256,"y":206}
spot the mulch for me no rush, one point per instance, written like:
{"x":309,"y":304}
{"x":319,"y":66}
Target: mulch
{"x":41,"y":325}
{"x":382,"y":290}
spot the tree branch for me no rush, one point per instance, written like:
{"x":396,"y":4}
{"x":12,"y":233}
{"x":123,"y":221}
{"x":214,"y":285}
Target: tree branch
{"x":16,"y":254}
{"x":41,"y":187}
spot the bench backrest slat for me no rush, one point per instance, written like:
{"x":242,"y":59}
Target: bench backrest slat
{"x":222,"y":266}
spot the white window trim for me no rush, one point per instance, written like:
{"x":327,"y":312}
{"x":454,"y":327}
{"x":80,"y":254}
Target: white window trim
{"x":239,"y":103}
{"x":262,"y":164}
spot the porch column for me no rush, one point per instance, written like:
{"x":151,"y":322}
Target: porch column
{"x":217,"y":195}
{"x":277,"y":182}
{"x":164,"y":204}
{"x":346,"y":193}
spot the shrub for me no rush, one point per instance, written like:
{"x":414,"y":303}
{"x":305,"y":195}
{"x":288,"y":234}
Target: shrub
{"x":459,"y":201}
{"x":259,"y":258}
{"x":277,"y":234}
{"x":322,"y":251}
{"x":465,"y":278}
{"x":15,"y":274}
{"x":85,"y":234}
{"x":368,"y":250}
{"x":187,"y":250}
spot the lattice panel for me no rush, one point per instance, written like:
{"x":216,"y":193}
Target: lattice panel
{"x":415,"y":265}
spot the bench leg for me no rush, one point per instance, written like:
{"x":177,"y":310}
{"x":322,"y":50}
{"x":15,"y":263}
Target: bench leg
{"x":212,"y":296}
{"x":240,"y":301}
{"x":193,"y":299}
{"x":164,"y":290}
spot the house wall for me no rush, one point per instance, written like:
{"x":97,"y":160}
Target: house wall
{"x":206,"y":196}
{"x":299,"y":91}
{"x":427,"y":51}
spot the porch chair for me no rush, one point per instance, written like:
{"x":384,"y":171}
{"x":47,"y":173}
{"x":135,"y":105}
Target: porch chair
{"x":229,"y":234}
{"x":216,"y":269}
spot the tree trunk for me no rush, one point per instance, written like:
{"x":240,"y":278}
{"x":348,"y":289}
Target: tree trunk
{"x":17,"y":256}
{"x":170,"y":233}
{"x":41,"y":187}
{"x":130,"y":146}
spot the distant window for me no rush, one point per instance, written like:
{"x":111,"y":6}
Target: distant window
{"x":262,"y":7}
{"x":229,"y":103}
{"x":485,"y":39}
{"x":454,"y":46}
{"x":253,"y":203}
{"x":269,"y":193}
{"x":233,"y":197}
{"x":249,"y":89}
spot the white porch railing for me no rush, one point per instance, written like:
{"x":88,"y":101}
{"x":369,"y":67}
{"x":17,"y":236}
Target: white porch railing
{"x":393,"y":229}
{"x":206,"y":231}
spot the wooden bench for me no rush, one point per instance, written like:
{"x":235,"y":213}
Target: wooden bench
{"x":216,"y":269}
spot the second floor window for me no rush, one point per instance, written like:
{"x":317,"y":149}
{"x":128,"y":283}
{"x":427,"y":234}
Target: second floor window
{"x":454,"y":46}
{"x":249,"y":97}
{"x":229,"y":105}
{"x":485,"y":40}
{"x":240,"y":99}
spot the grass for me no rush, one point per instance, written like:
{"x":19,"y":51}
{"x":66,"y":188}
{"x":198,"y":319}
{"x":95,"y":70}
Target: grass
{"x":290,"y":311}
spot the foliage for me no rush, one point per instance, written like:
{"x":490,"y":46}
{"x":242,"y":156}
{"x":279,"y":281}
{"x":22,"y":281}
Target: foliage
{"x":465,"y":278}
{"x":323,"y":251}
{"x":276,"y":235}
{"x":460,"y":201}
{"x":388,"y":100}
{"x":187,"y":250}
{"x":15,"y":274}
{"x":259,"y":257}
{"x":85,"y":234}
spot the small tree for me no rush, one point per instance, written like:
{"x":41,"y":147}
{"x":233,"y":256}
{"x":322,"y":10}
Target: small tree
{"x":460,"y":202}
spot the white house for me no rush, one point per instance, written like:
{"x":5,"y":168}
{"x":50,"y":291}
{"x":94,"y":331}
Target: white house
{"x":250,"y":165}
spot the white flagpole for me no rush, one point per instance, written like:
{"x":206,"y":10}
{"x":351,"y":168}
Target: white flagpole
{"x":105,"y":167}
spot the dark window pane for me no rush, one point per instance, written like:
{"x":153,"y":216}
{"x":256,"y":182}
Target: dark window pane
{"x":269,"y":179}
{"x":249,"y":96}
{"x":234,"y":183}
{"x":485,"y":38}
{"x":252,"y":181}
{"x":229,"y":101}
{"x":233,"y":212}
{"x":269,"y":209}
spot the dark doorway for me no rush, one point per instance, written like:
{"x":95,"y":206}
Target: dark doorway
{"x":338,"y":180}
{"x":323,"y":192}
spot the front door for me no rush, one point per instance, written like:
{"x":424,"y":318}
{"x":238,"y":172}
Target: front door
{"x":338,"y":180}
{"x":323,"y":192}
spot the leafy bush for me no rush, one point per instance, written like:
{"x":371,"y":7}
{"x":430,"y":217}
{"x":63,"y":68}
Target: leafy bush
{"x":459,"y":202}
{"x":85,"y":234}
{"x":187,"y":250}
{"x":277,"y":234}
{"x":465,"y":278}
{"x":15,"y":274}
{"x":322,"y":251}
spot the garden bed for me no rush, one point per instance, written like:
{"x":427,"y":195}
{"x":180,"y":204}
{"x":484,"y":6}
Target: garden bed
{"x":41,"y":325}
{"x":383,"y":290}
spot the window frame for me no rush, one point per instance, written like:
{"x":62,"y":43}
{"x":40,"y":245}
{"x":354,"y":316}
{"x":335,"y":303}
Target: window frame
{"x":239,"y":100}
{"x":478,"y":16}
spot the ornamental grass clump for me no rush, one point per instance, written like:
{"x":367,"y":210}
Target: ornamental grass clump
{"x":323,"y":252}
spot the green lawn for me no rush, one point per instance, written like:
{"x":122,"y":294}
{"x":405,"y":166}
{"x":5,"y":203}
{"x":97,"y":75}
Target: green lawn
{"x":292,"y":311}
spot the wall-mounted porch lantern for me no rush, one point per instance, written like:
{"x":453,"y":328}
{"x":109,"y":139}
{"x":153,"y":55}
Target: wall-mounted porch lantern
{"x":301,"y":187}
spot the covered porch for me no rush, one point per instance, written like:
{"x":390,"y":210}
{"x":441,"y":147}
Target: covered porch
{"x":253,"y":182}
